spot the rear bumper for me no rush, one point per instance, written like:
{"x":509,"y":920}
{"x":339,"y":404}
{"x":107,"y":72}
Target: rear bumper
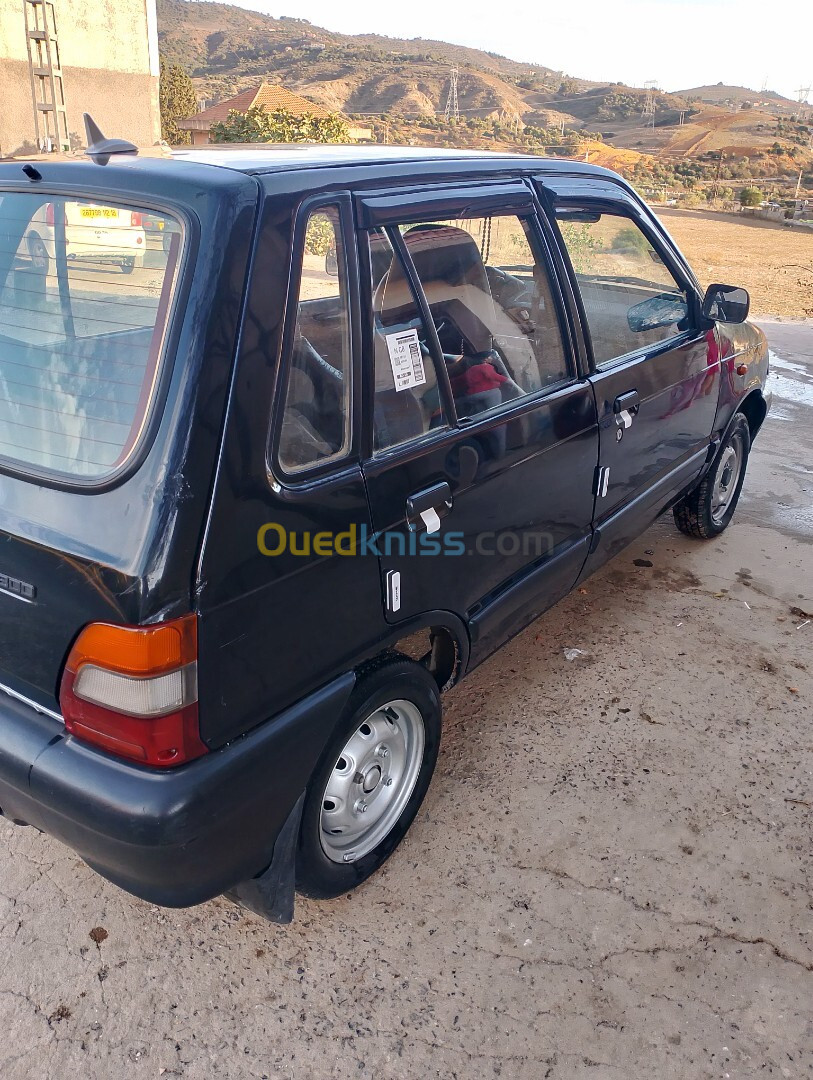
{"x":175,"y":837}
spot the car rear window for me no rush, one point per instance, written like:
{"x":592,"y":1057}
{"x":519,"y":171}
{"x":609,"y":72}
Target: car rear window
{"x":85,"y":293}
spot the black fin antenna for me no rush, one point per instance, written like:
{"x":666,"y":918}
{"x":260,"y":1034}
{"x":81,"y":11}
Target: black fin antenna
{"x":99,"y":148}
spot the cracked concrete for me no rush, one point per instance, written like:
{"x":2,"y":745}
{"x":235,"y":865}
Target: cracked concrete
{"x":611,"y":876}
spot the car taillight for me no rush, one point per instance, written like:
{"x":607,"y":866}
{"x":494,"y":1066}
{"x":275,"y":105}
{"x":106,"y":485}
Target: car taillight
{"x":135,"y":220}
{"x":49,"y":214}
{"x":132,"y":690}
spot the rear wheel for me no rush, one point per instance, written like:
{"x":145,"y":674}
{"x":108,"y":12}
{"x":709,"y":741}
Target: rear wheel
{"x":707,"y":511}
{"x":371,"y":780}
{"x":38,"y":253}
{"x":128,"y":265}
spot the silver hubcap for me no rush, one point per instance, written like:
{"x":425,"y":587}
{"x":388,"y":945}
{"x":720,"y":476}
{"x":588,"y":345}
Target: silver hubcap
{"x":372,"y":781}
{"x":725,"y":483}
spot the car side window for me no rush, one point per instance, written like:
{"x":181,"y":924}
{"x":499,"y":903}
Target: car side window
{"x":630,"y":296}
{"x":492,"y":304}
{"x":315,"y":425}
{"x":407,"y":401}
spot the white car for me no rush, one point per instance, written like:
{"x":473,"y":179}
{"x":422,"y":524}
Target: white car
{"x":99,"y":234}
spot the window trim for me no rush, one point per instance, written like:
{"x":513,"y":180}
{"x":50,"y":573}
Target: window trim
{"x":341,"y":201}
{"x":624,"y":209}
{"x":165,"y":363}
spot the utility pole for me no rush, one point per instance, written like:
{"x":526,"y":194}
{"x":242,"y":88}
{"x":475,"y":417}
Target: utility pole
{"x":452,"y":111}
{"x":717,"y":178}
{"x":798,"y":185}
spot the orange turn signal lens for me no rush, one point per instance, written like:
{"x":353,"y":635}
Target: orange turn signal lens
{"x":137,"y":650}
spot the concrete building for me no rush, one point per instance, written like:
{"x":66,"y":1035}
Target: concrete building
{"x":267,"y":96}
{"x":103,"y":56}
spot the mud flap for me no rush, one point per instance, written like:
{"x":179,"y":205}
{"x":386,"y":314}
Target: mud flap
{"x":271,"y":894}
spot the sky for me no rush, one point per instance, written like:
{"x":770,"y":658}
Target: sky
{"x":679,"y":43}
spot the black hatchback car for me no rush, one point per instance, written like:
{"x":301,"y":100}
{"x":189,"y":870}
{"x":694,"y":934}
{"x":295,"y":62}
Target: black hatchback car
{"x":354,"y":418}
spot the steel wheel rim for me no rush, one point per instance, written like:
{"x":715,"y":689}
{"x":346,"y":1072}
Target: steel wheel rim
{"x":38,"y":253}
{"x":372,"y":781}
{"x":725,"y":481}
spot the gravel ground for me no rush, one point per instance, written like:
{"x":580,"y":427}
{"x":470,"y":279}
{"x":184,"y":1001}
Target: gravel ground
{"x":611,"y":876}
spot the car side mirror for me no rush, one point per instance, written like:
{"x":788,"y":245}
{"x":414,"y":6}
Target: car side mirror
{"x":665,"y":309}
{"x":726,"y":303}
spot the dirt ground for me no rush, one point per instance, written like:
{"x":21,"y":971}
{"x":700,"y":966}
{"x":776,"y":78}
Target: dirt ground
{"x":776,"y":269}
{"x":611,"y":876}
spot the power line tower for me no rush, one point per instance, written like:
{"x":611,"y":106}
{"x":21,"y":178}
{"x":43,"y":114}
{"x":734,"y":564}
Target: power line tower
{"x":764,"y":86}
{"x":47,"y":90}
{"x":802,"y":94}
{"x":452,"y":111}
{"x":648,"y":111}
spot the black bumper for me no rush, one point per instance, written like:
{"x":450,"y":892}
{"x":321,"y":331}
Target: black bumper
{"x":175,"y":837}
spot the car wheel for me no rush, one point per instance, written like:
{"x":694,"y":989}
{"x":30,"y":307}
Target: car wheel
{"x":372,"y":778}
{"x":127,"y":266}
{"x":39,"y":254}
{"x":707,"y":511}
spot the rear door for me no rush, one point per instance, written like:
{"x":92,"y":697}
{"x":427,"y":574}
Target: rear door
{"x":656,"y":374}
{"x":480,"y":461}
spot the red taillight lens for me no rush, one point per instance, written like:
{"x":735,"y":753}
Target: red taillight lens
{"x":135,"y":220}
{"x":49,"y":214}
{"x":132,"y":690}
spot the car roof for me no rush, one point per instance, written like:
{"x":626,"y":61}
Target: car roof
{"x":251,"y":158}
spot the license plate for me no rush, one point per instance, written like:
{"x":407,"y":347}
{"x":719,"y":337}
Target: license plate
{"x":98,"y":212}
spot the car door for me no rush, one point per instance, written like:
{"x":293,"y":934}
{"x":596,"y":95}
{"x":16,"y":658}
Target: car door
{"x":483,"y":442}
{"x":656,"y":369}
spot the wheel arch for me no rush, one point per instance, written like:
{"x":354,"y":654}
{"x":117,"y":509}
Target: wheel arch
{"x":755,"y":408}
{"x":439,"y":640}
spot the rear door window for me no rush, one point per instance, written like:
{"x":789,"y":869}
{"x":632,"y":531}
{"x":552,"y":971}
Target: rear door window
{"x":85,"y":294}
{"x":491,"y":300}
{"x":407,"y":395}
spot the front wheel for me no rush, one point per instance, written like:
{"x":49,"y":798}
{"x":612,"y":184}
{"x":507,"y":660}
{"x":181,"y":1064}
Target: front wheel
{"x":371,"y":780}
{"x":707,"y":511}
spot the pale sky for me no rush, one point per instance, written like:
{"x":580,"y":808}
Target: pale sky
{"x":681,"y":43}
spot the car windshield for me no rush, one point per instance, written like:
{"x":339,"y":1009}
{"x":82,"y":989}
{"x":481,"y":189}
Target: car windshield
{"x":85,"y":293}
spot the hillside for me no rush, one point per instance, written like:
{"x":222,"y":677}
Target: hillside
{"x":401,"y":86}
{"x":721,"y":94}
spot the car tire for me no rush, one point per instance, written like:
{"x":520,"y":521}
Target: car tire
{"x":379,"y":763}
{"x":127,"y":266}
{"x":707,"y":510}
{"x":38,"y":254}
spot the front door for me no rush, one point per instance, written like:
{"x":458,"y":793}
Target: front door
{"x":484,"y":442}
{"x":656,"y":377}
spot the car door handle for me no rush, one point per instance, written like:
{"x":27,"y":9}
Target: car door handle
{"x":427,"y":507}
{"x":628,"y":402}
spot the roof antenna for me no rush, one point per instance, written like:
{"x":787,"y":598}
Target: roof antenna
{"x":99,"y":148}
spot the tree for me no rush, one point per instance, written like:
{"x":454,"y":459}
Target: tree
{"x":257,"y":125}
{"x":750,"y":196}
{"x":178,"y":101}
